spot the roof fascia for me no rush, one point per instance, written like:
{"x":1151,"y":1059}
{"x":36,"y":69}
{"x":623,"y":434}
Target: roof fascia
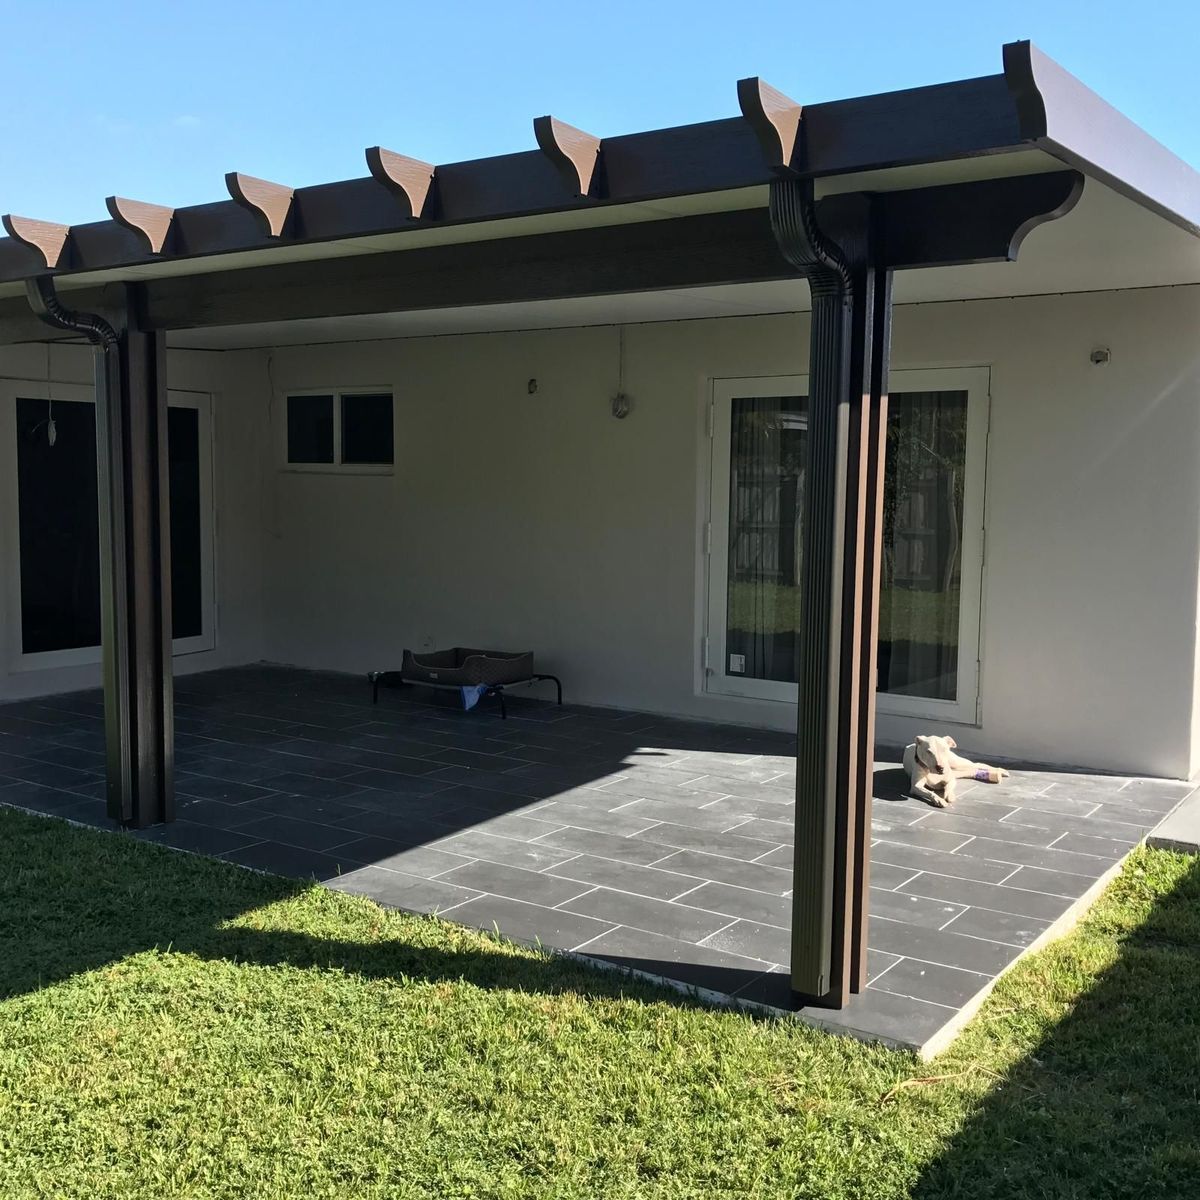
{"x":1059,"y":114}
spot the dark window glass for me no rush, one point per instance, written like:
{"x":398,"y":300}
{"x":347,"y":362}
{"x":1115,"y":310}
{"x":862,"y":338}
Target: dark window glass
{"x":923,"y":515}
{"x":60,"y":529}
{"x":310,"y":429}
{"x":367,"y":429}
{"x":768,"y":460}
{"x":59,"y":526}
{"x":187,"y":585}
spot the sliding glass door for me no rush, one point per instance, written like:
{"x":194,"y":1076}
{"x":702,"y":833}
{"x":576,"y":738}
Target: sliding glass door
{"x":51,"y":543}
{"x":932,"y":539}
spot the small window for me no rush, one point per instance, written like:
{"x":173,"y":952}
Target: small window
{"x":351,"y":430}
{"x":367,"y":429}
{"x":310,"y":429}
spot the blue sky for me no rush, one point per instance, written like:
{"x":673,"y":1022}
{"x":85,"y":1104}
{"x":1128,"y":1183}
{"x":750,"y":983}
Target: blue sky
{"x":158,"y":101}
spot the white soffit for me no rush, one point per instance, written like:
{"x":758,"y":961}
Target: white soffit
{"x":1107,"y":242}
{"x":956,"y":170}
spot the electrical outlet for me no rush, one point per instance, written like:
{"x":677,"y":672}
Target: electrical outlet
{"x":427,"y":643}
{"x":737,"y":664}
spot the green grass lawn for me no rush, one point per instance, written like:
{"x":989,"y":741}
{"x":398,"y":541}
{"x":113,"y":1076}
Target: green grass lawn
{"x":905,"y":614}
{"x":173,"y":1027}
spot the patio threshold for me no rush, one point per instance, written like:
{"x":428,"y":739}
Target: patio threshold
{"x":642,"y":844}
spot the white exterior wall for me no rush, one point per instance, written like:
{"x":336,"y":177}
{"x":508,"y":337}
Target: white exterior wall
{"x":239,"y":415}
{"x":540,"y":521}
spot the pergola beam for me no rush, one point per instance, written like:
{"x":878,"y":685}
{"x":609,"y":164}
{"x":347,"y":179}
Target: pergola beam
{"x":974,"y":222}
{"x":648,"y":256}
{"x":977,"y":222}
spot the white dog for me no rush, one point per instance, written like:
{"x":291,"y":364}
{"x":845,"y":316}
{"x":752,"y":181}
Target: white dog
{"x":934,"y":770}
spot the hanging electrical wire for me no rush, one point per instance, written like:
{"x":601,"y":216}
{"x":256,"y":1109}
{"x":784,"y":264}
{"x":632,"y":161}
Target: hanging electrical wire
{"x":620,"y":402}
{"x":50,"y":424}
{"x":51,"y":427}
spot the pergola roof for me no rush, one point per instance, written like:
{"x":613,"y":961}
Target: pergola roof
{"x":703,"y":186}
{"x":1032,"y":103}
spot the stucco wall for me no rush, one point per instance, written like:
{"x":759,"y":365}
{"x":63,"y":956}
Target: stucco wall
{"x":538,"y":520}
{"x":1093,"y":522}
{"x":237,"y":383}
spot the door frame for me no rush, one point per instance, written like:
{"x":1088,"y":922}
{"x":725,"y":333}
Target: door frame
{"x":716,"y":680}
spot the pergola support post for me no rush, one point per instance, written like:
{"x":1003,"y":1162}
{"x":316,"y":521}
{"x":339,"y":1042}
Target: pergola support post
{"x":847,"y":416}
{"x":135,"y":553}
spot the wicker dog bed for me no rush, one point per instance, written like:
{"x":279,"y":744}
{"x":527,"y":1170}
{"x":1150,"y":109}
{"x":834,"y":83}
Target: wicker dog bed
{"x":464,"y":667}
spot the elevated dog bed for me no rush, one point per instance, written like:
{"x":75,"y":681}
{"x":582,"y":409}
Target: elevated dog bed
{"x":477,"y":673}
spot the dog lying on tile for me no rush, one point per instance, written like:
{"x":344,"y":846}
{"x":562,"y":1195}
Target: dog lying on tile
{"x":934,"y":770}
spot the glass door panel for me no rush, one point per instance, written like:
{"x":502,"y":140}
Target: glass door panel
{"x":932,"y":539}
{"x":768,"y":451}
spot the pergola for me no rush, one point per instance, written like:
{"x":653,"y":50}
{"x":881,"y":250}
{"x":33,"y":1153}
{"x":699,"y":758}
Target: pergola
{"x":930,"y":177}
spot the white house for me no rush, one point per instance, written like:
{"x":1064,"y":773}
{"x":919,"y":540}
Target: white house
{"x":394,"y":420}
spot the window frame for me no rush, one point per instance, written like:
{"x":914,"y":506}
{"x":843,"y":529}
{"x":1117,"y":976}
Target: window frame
{"x":715,"y":677}
{"x":337,"y":467}
{"x":10,"y":533}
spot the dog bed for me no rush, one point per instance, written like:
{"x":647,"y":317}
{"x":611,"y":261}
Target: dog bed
{"x":477,"y":673}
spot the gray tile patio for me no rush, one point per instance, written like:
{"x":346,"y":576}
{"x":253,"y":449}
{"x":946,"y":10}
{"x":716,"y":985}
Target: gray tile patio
{"x":645,"y":843}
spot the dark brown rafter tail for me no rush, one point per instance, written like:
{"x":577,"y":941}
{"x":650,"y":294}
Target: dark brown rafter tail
{"x":776,"y":121}
{"x":409,"y":179}
{"x":270,"y":203}
{"x":574,"y":153}
{"x":45,"y":237}
{"x":151,"y":222}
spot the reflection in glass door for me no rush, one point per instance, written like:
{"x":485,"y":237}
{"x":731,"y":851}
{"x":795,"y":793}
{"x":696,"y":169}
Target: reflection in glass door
{"x":932,"y":539}
{"x":768,"y":449}
{"x":921,"y":573}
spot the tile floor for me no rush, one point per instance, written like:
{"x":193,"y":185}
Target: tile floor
{"x":657,"y":845}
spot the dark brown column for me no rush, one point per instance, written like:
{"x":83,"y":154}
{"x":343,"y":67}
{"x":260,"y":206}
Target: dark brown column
{"x":847,"y":404}
{"x":135,"y":524}
{"x":135,"y":548}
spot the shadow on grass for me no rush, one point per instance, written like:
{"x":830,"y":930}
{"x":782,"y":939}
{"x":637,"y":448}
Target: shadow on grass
{"x":1107,"y":1101}
{"x":73,"y":900}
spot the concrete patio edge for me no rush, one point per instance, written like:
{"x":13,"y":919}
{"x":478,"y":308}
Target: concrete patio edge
{"x":1180,"y":830}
